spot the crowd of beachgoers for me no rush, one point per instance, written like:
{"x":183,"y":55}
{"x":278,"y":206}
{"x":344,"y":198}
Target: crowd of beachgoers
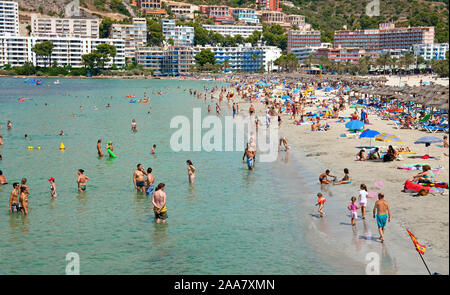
{"x":350,"y":125}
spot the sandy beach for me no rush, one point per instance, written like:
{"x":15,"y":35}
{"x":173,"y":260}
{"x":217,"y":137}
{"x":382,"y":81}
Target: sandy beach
{"x":426,"y":216}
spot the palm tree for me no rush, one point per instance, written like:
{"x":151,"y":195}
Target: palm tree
{"x":384,"y":60}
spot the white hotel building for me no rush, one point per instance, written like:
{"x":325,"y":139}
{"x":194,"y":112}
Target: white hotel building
{"x":15,"y":50}
{"x":9,"y":18}
{"x":244,"y":58}
{"x":431,"y":51}
{"x":244,"y":31}
{"x":181,"y":35}
{"x":64,"y":27}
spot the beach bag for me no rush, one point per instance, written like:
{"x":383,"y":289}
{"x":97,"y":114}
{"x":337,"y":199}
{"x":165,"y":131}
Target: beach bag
{"x":423,"y":192}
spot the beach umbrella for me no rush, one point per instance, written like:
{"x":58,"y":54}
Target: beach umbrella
{"x":369,"y":134}
{"x":354,"y":125}
{"x":387,"y":137}
{"x":286,"y":97}
{"x":428,"y":140}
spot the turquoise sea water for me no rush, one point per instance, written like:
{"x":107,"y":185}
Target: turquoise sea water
{"x":231,"y":222}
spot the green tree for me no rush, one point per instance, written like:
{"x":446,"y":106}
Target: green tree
{"x":44,"y":49}
{"x":384,"y":60}
{"x":105,"y":27}
{"x":205,"y":57}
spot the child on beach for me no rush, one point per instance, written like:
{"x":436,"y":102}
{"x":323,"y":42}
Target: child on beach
{"x":363,"y":199}
{"x":321,"y":201}
{"x":353,"y":209}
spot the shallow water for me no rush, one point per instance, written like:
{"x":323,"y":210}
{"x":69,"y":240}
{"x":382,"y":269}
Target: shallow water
{"x":231,"y":222}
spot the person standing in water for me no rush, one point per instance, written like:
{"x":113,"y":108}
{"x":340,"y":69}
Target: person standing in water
{"x":2,"y":178}
{"x":159,"y":204}
{"x":99,"y":148}
{"x":353,"y":207}
{"x":52,"y":187}
{"x":149,"y":188}
{"x":191,"y":171}
{"x":152,"y":152}
{"x":363,"y":199}
{"x":139,"y":178}
{"x":82,"y":180}
{"x":381,"y":212}
{"x":133,"y":125}
{"x":14,"y":205}
{"x":321,"y":202}
{"x":24,"y":199}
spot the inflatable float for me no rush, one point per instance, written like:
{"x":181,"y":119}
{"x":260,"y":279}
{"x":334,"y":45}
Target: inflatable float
{"x":111,"y":154}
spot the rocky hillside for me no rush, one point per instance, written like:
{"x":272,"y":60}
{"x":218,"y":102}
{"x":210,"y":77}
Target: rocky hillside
{"x":115,"y":9}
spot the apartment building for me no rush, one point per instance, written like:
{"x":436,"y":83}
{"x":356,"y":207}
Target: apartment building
{"x":151,"y":7}
{"x":181,"y":35}
{"x":243,"y":58}
{"x":64,"y":27}
{"x":344,"y":55}
{"x":220,"y":14}
{"x":244,"y":31}
{"x":151,"y":58}
{"x":431,"y":51}
{"x":387,"y":36}
{"x":247,"y":15}
{"x":295,"y":19}
{"x":273,"y":5}
{"x":302,"y":53}
{"x":9,"y":18}
{"x":300,"y":38}
{"x":16,"y":50}
{"x":181,"y":9}
{"x":134,"y":34}
{"x":166,"y":61}
{"x":273,"y":17}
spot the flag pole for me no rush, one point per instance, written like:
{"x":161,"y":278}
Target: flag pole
{"x":424,"y":263}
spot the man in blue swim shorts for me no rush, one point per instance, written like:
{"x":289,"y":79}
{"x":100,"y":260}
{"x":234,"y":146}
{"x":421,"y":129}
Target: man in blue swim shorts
{"x":149,"y":188}
{"x":250,"y":159}
{"x":382,"y":213}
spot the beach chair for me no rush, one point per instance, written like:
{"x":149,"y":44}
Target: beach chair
{"x":434,"y":129}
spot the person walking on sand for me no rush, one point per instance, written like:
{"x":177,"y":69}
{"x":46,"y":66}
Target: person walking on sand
{"x":321,"y":201}
{"x":99,"y":148}
{"x":362,"y":199}
{"x":139,"y":178}
{"x":191,"y":171}
{"x":381,"y":212}
{"x":353,"y":210}
{"x":159,"y":204}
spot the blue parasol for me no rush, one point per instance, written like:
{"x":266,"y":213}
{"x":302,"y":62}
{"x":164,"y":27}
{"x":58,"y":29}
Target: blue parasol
{"x":355,"y":125}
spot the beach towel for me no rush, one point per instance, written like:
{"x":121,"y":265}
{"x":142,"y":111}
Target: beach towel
{"x":413,"y":187}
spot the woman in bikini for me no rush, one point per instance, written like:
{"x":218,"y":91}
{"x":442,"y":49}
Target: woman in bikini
{"x":82,"y":180}
{"x":24,"y":200}
{"x":346,"y":179}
